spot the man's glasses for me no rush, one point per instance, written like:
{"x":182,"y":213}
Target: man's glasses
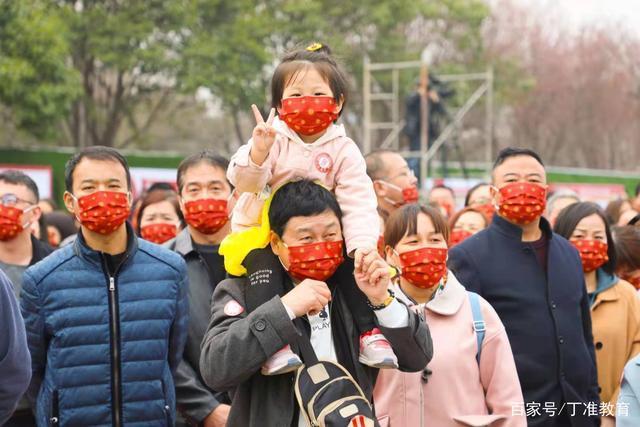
{"x":12,"y":200}
{"x":408,"y":173}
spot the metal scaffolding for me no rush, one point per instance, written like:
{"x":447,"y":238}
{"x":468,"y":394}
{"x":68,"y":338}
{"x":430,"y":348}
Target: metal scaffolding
{"x":395,"y":126}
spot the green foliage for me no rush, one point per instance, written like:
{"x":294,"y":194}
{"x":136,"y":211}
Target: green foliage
{"x":126,"y":57}
{"x":36,"y":82}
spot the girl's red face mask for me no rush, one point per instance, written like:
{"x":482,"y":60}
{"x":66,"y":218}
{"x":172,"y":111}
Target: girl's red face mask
{"x":317,"y":261}
{"x":309,"y":115}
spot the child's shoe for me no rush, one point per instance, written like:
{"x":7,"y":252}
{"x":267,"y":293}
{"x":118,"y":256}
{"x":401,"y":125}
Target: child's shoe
{"x":282,"y":362}
{"x":375,"y":350}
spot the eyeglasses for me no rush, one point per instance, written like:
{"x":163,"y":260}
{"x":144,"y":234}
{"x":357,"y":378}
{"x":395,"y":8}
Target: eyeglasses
{"x":10,"y":199}
{"x":407,"y":173}
{"x":481,"y":201}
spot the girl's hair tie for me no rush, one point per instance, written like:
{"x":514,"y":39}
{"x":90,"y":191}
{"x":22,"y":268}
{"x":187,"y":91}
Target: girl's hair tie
{"x":313,"y":47}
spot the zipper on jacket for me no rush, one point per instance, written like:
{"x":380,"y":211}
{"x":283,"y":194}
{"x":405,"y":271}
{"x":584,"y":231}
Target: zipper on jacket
{"x":114,"y":335}
{"x":55,"y":410}
{"x":114,"y":326}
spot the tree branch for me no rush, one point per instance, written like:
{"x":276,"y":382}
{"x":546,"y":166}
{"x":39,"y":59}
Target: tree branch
{"x":113,"y":121}
{"x":150,"y":119}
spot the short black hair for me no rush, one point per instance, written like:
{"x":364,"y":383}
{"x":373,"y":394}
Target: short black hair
{"x":569,"y":218}
{"x":508,"y":152}
{"x":317,"y":56}
{"x":161,"y":186}
{"x":16,"y":177}
{"x":300,"y":198}
{"x":96,"y":152}
{"x":206,"y":156}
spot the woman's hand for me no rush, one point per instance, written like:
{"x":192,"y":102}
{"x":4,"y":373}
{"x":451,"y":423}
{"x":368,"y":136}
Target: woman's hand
{"x":374,"y":280}
{"x":264,"y":135}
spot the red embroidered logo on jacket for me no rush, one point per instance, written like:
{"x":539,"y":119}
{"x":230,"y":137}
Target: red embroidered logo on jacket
{"x":323,"y":162}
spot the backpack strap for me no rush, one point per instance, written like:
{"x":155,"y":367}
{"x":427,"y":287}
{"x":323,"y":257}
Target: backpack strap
{"x":478,"y":321}
{"x":309,"y":356}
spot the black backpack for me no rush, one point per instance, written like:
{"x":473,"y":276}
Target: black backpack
{"x":327,"y":394}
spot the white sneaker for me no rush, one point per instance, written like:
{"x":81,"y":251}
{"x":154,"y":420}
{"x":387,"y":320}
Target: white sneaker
{"x":281,"y":362}
{"x":375,"y":351}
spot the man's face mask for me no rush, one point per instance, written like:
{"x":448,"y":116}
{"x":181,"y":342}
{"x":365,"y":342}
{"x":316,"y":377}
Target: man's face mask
{"x":11,"y":219}
{"x":317,"y":261}
{"x":409,"y":194}
{"x":103,"y":211}
{"x":522,"y":202}
{"x":206,"y":215}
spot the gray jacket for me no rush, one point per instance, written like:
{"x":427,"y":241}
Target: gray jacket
{"x":235,"y":347}
{"x":194,"y":400}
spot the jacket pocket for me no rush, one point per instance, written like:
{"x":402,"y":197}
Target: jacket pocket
{"x":54,"y":419}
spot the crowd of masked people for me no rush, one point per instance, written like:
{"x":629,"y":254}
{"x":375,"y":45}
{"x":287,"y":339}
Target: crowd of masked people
{"x":301,"y":283}
{"x":529,"y":301}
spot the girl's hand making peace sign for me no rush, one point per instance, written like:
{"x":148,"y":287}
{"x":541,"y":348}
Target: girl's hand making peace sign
{"x":264,"y":135}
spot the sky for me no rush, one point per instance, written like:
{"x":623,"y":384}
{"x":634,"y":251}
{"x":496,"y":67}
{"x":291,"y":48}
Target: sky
{"x":579,"y":12}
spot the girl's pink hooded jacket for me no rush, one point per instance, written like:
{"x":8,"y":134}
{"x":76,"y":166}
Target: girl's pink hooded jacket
{"x":459,"y":391}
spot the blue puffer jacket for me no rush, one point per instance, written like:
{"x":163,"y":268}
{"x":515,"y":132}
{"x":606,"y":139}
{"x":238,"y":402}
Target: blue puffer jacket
{"x":88,"y":370}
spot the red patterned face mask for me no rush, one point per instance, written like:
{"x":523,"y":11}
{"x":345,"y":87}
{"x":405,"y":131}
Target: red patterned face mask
{"x":103,"y":211}
{"x":458,"y":236}
{"x":424,"y":267}
{"x":593,"y":253}
{"x":522,"y":202}
{"x":487,"y":210}
{"x":206,"y":215}
{"x":317,"y":261}
{"x":309,"y":115}
{"x":10,"y":225}
{"x":448,"y":208}
{"x":410,"y":194}
{"x":634,"y":280}
{"x":159,"y":233}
